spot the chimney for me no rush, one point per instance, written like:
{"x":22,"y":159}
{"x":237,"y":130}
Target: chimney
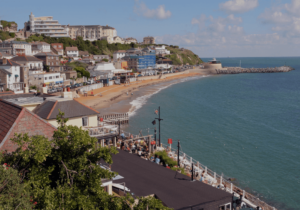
{"x":4,"y":61}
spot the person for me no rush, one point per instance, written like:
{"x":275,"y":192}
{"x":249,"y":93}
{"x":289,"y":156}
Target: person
{"x":202,"y":177}
{"x":123,"y":135}
{"x":167,"y":166}
{"x":152,"y":159}
{"x":140,"y":153}
{"x":157,"y":160}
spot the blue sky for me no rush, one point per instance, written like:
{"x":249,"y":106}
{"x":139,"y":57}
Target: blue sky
{"x":215,"y":28}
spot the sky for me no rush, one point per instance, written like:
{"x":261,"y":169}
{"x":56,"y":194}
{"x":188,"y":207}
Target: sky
{"x":214,"y":28}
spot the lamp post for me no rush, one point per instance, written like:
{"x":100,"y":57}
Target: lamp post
{"x":178,"y":163}
{"x":159,"y":119}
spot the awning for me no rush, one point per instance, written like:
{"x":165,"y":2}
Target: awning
{"x":16,"y":75}
{"x":121,"y":187}
{"x":57,"y":82}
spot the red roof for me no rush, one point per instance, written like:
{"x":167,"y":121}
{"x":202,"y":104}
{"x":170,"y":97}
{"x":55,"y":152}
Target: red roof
{"x":8,"y":115}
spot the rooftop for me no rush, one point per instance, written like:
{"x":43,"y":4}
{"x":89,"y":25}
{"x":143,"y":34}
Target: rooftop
{"x":72,"y":108}
{"x":9,"y":63}
{"x":175,"y":190}
{"x":25,"y":58}
{"x":46,"y":54}
{"x":71,"y":49}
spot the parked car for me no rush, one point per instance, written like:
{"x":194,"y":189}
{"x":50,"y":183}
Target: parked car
{"x":89,"y":83}
{"x":59,"y":89}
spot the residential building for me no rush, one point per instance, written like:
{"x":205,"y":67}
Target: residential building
{"x":72,"y":51}
{"x":50,"y":59}
{"x":45,"y":25}
{"x":130,"y":40}
{"x":98,"y":58}
{"x":16,"y":47}
{"x":161,"y":50}
{"x":120,"y":64}
{"x":175,"y":190}
{"x":5,"y":55}
{"x":49,"y":79}
{"x":165,"y":61}
{"x":70,"y":74}
{"x":77,"y":113}
{"x":17,"y":119}
{"x":109,"y":69}
{"x":149,"y":40}
{"x":91,"y":32}
{"x":10,"y":75}
{"x":34,"y":64}
{"x":140,"y":59}
{"x":57,"y":48}
{"x":38,"y":47}
{"x":119,"y":54}
{"x":87,"y":61}
{"x":84,"y":54}
{"x":118,"y":39}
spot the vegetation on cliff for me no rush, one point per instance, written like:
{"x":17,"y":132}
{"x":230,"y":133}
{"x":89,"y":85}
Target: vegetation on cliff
{"x":183,"y":56}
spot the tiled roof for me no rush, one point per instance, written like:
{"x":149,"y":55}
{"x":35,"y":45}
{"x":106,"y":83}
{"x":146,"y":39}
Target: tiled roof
{"x":25,"y":59}
{"x":39,"y":43}
{"x":9,"y":63}
{"x":4,"y":54}
{"x":71,"y":49}
{"x":84,"y":53}
{"x":8,"y":115}
{"x":120,"y":51}
{"x":5,"y":71}
{"x":46,"y":54}
{"x":72,"y":108}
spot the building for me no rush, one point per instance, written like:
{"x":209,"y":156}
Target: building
{"x":70,"y":74}
{"x":99,"y":58}
{"x":72,"y":51}
{"x":84,"y":54}
{"x":57,"y":48}
{"x":16,"y":47}
{"x":121,"y":64}
{"x":34,"y":64}
{"x":109,"y":69}
{"x":149,"y":40}
{"x":118,"y":39}
{"x":174,"y":189}
{"x":50,"y":59}
{"x":77,"y":113}
{"x":49,"y":79}
{"x":130,"y":40}
{"x":161,"y":50}
{"x":5,"y":55}
{"x":17,"y":119}
{"x":12,"y":75}
{"x":119,"y":54}
{"x":45,"y":25}
{"x":140,"y":59}
{"x":91,"y":32}
{"x":38,"y":47}
{"x":165,"y":61}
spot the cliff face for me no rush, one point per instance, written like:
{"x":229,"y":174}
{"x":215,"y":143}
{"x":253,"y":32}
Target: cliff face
{"x":183,"y":56}
{"x":9,"y":26}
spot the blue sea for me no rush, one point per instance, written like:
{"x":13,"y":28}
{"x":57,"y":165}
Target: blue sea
{"x":246,"y":126}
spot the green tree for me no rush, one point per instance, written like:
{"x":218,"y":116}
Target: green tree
{"x":104,"y":59}
{"x":12,"y":35}
{"x":13,"y":193}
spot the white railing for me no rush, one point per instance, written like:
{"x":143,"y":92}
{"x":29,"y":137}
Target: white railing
{"x":102,"y":131}
{"x":91,"y":87}
{"x":222,"y":181}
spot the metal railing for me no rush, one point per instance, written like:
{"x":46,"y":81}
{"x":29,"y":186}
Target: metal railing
{"x":221,"y":181}
{"x":102,"y":131}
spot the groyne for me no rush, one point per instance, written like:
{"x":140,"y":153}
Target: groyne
{"x":239,"y":70}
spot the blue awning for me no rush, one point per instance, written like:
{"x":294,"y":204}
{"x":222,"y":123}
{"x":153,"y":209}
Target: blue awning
{"x":57,"y":82}
{"x":16,"y":75}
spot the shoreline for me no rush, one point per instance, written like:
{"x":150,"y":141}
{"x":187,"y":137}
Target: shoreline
{"x":115,"y":99}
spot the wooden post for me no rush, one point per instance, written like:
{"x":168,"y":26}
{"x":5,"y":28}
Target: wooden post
{"x":115,"y":141}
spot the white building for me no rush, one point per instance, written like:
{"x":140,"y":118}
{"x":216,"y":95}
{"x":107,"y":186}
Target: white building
{"x":58,"y":48}
{"x":162,"y":50}
{"x":109,"y":69}
{"x":17,"y":47}
{"x":72,"y":51}
{"x":38,"y":47}
{"x":10,"y":75}
{"x":119,"y":54}
{"x":45,"y":25}
{"x":33,"y":63}
{"x":48,"y":78}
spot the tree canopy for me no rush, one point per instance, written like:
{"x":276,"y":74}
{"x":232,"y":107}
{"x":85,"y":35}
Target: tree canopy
{"x":62,"y":173}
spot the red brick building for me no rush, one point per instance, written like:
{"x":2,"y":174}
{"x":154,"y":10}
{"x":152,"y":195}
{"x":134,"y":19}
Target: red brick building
{"x":16,"y":119}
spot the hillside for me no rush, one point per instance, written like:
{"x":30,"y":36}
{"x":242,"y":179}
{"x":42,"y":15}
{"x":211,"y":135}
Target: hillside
{"x":183,"y":56}
{"x":8,"y":26}
{"x":101,"y":47}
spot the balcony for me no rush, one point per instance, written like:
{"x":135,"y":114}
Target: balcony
{"x":106,"y":130}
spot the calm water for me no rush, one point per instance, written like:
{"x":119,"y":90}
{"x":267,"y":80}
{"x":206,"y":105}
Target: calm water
{"x":245,"y":126}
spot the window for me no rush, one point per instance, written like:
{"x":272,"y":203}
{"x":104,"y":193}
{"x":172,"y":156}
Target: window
{"x":84,"y":121}
{"x":50,"y":77}
{"x":46,"y":78}
{"x":57,"y":76}
{"x":56,"y":63}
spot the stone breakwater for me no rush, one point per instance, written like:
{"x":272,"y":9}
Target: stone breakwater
{"x":238,"y":70}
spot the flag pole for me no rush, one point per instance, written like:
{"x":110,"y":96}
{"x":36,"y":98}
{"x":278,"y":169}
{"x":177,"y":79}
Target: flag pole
{"x":159,"y":119}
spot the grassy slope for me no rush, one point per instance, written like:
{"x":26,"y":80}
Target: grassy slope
{"x":183,"y":56}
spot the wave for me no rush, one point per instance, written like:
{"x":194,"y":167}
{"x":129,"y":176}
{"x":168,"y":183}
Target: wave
{"x":140,"y":101}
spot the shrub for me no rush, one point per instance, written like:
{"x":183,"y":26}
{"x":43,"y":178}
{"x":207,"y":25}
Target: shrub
{"x":12,"y":35}
{"x":165,"y":159}
{"x":33,"y":87}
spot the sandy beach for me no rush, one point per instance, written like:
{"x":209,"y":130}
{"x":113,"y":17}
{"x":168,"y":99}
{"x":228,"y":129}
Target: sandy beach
{"x":105,"y":99}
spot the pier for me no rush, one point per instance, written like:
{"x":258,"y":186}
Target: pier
{"x":239,"y":70}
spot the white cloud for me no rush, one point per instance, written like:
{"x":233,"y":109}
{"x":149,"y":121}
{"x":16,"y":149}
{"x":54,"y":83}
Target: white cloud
{"x":141,"y":9}
{"x":238,"y":6}
{"x":284,"y":19}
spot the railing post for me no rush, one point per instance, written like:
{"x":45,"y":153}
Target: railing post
{"x":191,"y":160}
{"x":215,"y":176}
{"x":205,"y":170}
{"x":243,"y":193}
{"x":221,"y":180}
{"x":231,"y":188}
{"x":115,"y":142}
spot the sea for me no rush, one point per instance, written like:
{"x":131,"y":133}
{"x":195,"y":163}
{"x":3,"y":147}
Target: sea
{"x":244,"y":126}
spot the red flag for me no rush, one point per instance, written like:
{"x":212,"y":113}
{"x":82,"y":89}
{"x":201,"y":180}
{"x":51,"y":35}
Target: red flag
{"x":156,"y":112}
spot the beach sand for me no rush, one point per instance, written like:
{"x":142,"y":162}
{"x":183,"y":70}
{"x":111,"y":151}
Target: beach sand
{"x":114,"y":98}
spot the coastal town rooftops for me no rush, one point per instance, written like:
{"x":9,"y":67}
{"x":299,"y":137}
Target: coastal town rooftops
{"x":39,"y":43}
{"x":175,"y":190}
{"x":84,"y":53}
{"x":120,"y":51}
{"x":72,"y":108}
{"x":25,"y":58}
{"x":71,"y":49}
{"x":5,"y":71}
{"x":46,"y":54}
{"x":8,"y":62}
{"x":57,"y":45}
{"x":16,"y":42}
